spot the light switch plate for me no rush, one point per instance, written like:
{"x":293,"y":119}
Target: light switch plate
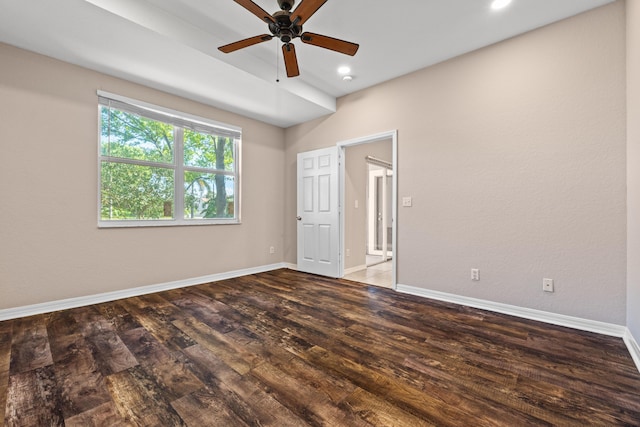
{"x":407,"y":202}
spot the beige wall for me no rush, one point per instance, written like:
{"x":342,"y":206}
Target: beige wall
{"x":51,"y":247}
{"x":633,"y":167}
{"x":356,"y":173}
{"x":515,"y":158}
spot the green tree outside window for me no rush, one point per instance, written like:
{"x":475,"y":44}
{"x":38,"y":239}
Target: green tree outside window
{"x":139,"y":167}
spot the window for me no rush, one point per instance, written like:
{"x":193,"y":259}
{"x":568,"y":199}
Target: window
{"x":162,"y":167}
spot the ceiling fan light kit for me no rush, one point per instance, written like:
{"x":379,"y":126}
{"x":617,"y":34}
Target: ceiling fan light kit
{"x":287,"y":26}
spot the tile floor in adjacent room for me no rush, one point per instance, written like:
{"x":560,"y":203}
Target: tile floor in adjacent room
{"x":377,"y":275}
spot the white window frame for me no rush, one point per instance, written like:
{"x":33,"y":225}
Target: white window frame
{"x":156,"y":112}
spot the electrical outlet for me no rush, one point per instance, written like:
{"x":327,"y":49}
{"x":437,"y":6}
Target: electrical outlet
{"x":475,"y":274}
{"x":348,"y":252}
{"x":272,"y":250}
{"x":407,"y":202}
{"x":547,"y":285}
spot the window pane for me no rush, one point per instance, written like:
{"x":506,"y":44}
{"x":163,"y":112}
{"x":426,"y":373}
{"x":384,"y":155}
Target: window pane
{"x":208,"y":151}
{"x":136,"y":192}
{"x":130,"y":136}
{"x":208,"y":195}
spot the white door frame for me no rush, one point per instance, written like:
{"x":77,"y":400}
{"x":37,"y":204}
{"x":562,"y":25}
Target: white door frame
{"x":393,"y":136}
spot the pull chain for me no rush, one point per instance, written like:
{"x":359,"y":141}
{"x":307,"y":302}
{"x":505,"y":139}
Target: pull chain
{"x":277,"y":65}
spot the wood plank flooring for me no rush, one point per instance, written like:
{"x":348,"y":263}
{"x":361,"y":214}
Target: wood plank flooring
{"x":289,"y":349}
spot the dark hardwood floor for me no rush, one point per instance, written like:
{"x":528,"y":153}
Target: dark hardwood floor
{"x":289,"y":349}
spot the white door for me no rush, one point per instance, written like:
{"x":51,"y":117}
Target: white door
{"x":318,"y":212}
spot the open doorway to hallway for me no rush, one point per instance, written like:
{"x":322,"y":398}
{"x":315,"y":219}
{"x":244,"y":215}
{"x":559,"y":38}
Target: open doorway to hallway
{"x":368,"y":211}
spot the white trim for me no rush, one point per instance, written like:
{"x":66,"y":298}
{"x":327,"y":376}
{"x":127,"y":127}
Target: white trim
{"x":634,"y":348}
{"x":526,"y":313}
{"x":142,"y":223}
{"x":290,"y":266}
{"x":355,"y":269}
{"x":47,"y":307}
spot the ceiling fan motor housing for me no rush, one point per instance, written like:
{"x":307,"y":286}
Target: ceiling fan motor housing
{"x":283,"y":27}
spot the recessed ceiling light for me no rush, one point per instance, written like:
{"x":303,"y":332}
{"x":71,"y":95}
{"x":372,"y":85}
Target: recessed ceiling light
{"x":344,"y":70}
{"x":499,"y":4}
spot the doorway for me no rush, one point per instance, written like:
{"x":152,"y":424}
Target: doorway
{"x":379,"y":203}
{"x":368,"y":187}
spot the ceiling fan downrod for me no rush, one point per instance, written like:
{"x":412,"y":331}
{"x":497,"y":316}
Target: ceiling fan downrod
{"x":286,"y":4}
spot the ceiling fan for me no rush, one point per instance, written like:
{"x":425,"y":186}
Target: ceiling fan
{"x":287,"y":25}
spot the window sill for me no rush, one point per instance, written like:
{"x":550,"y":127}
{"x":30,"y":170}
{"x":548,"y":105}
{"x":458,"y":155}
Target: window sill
{"x":166,"y":223}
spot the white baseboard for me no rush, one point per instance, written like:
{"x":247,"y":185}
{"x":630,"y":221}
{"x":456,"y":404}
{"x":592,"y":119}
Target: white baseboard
{"x":290,"y":266}
{"x":354,"y":269}
{"x":526,"y":313}
{"x":633,"y":347}
{"x":47,"y":307}
{"x":531,"y":314}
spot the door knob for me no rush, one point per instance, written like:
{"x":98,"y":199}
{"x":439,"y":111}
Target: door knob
{"x":299,"y":218}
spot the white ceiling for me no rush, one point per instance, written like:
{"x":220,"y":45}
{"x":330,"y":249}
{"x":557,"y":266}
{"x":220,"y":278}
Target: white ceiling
{"x":172,"y":45}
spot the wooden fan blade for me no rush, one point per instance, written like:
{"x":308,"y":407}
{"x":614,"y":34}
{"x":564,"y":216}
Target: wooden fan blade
{"x":330,"y":43}
{"x":290,"y":60}
{"x":256,"y":10}
{"x":304,"y":10}
{"x":231,"y":47}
